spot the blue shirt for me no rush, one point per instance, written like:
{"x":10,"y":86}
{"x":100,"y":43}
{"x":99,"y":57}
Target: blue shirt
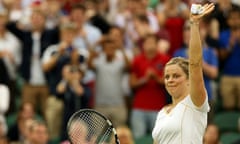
{"x":231,"y":66}
{"x":209,"y":57}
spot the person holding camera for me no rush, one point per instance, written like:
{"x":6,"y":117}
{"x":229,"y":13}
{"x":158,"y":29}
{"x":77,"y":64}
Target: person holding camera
{"x":72,"y":91}
{"x":55,"y":58}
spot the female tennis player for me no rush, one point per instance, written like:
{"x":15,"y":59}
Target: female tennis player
{"x":184,"y":121}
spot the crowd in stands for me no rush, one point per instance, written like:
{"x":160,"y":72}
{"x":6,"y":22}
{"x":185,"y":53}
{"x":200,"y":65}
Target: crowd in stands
{"x":59,"y":56}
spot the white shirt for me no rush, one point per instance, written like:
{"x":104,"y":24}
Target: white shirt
{"x":237,"y":2}
{"x":4,"y":99}
{"x":11,"y":44}
{"x":37,"y":75}
{"x":109,"y":81}
{"x":93,"y":34}
{"x":185,"y":124}
{"x":4,"y":105}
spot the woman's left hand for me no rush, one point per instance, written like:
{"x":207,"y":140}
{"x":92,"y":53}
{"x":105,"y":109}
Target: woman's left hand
{"x":206,"y":9}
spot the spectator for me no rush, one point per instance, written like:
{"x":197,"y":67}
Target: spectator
{"x":38,"y":133}
{"x":146,"y":80}
{"x":4,"y":100}
{"x":16,"y":131}
{"x":10,"y":57}
{"x":222,"y":11}
{"x":26,"y":132}
{"x":109,"y":70}
{"x":34,"y":42}
{"x":67,"y":4}
{"x":142,"y":27}
{"x":164,"y":41}
{"x":55,"y":57}
{"x":229,"y":54}
{"x":94,"y":16}
{"x":15,"y":9}
{"x":171,"y":16}
{"x":52,"y":10}
{"x":125,"y":20}
{"x":27,"y":3}
{"x":73,"y":93}
{"x":210,"y":59}
{"x":3,"y":131}
{"x":117,"y":34}
{"x":211,"y":135}
{"x":87,"y":36}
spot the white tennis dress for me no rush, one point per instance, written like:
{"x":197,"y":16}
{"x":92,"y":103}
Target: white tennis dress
{"x":185,"y":124}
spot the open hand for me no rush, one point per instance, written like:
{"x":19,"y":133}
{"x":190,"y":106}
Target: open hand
{"x":207,"y":8}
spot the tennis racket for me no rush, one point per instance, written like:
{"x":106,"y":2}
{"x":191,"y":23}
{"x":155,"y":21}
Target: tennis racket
{"x":88,"y":126}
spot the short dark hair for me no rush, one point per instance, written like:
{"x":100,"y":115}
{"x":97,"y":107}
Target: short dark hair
{"x":118,"y":28}
{"x":234,"y":10}
{"x":36,"y":123}
{"x":78,"y":6}
{"x":93,"y":1}
{"x":151,"y":35}
{"x":106,"y":40}
{"x":142,"y":18}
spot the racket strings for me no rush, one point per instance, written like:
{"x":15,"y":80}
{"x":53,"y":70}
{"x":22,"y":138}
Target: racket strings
{"x":107,"y":135}
{"x":88,"y":128}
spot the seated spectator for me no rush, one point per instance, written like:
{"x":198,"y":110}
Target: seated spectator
{"x":16,"y":131}
{"x":211,"y":135}
{"x":38,"y":133}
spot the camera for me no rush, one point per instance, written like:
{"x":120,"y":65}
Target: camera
{"x":69,"y":49}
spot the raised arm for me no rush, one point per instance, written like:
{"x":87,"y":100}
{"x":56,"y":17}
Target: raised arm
{"x":197,"y":87}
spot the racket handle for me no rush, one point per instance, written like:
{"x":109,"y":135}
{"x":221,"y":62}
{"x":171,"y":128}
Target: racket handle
{"x":116,"y":137}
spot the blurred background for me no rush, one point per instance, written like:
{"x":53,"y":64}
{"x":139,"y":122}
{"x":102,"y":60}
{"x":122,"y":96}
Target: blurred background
{"x":59,"y":56}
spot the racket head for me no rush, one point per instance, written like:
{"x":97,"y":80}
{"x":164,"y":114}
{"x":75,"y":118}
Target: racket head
{"x":88,"y":126}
